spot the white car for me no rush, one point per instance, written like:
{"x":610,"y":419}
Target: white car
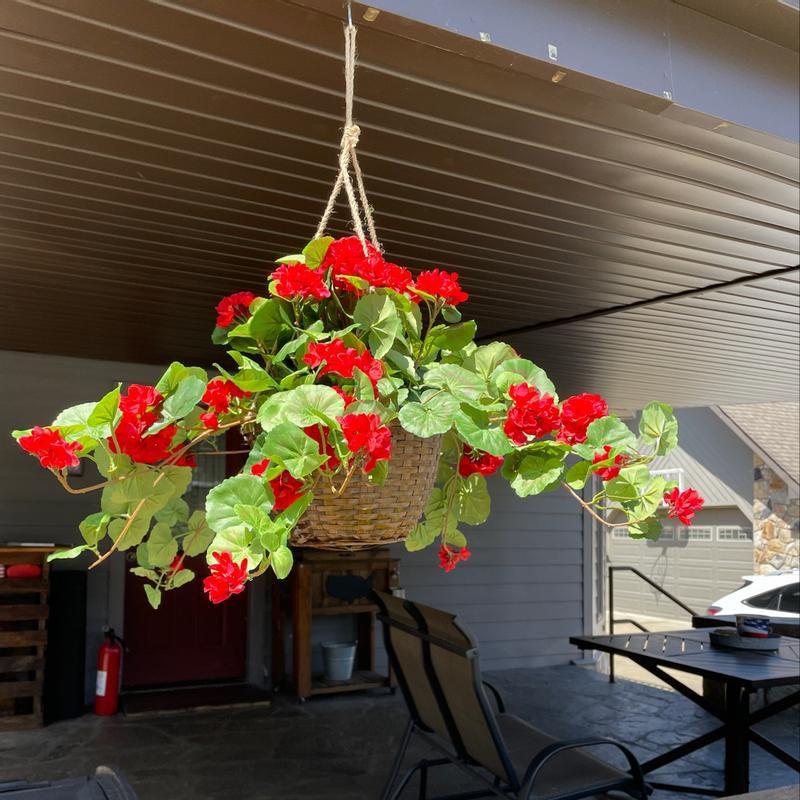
{"x":776,"y":596}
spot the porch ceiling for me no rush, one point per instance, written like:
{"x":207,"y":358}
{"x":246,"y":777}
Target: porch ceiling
{"x":157,"y":155}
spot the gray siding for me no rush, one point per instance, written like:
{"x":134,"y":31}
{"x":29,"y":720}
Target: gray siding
{"x":521,"y":593}
{"x":714,"y":460}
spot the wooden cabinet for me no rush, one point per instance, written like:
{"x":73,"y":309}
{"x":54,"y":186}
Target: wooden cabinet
{"x":321,"y":584}
{"x":23,"y":638}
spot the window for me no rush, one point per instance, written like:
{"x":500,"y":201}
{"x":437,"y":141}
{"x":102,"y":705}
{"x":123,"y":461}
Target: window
{"x":619,"y":533}
{"x":667,"y":534}
{"x":734,"y":533}
{"x":697,"y":533}
{"x":767,"y":600}
{"x":790,"y":599}
{"x":670,"y":475}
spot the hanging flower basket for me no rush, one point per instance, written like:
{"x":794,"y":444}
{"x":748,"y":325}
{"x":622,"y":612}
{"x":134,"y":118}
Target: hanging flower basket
{"x":372,"y":417}
{"x":366,"y":515}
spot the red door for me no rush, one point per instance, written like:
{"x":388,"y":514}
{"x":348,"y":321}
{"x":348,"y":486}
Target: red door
{"x":188,"y":639}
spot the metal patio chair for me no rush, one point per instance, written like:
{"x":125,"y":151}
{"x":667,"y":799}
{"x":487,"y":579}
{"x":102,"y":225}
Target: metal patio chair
{"x":435,"y":660}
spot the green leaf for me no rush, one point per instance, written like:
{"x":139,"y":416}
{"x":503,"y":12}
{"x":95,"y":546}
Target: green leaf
{"x":310,"y":404}
{"x":241,"y":542}
{"x":143,"y":572}
{"x":451,"y":314}
{"x":148,"y":485}
{"x":105,"y":414}
{"x":650,"y":498}
{"x":161,"y":546}
{"x":377,"y":315}
{"x":314,"y":251}
{"x":460,"y":382}
{"x":454,"y":337}
{"x":621,"y":490}
{"x":198,"y":535}
{"x":281,"y":561}
{"x":297,"y":258}
{"x":273,"y":410}
{"x":659,"y":428}
{"x":648,"y":529}
{"x":71,"y":553}
{"x":379,"y":473}
{"x":473,"y":500}
{"x":488,"y":357}
{"x":268,"y":322}
{"x":177,"y":510}
{"x":289,"y":446}
{"x":431,"y":418}
{"x":153,"y":595}
{"x":536,"y":468}
{"x":578,"y":474}
{"x":521,"y":370}
{"x":609,"y":431}
{"x":474,"y":427}
{"x":403,"y":363}
{"x":93,"y":528}
{"x":364,"y":390}
{"x":73,"y":425}
{"x":222,"y":500}
{"x":252,"y":377}
{"x":412,"y":321}
{"x":290,"y":516}
{"x":186,"y":396}
{"x":181,"y":578}
{"x":112,"y":465}
{"x":175,"y":373}
{"x":135,"y":533}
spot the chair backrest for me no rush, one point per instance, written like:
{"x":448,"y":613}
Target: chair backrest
{"x":436,"y":661}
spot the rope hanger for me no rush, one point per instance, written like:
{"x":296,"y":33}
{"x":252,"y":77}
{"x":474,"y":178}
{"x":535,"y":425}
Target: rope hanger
{"x":348,"y":157}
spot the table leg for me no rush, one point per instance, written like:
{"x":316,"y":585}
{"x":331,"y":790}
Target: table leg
{"x":737,"y":741}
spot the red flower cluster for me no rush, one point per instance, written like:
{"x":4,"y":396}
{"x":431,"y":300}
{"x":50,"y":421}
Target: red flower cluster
{"x":51,"y":448}
{"x":577,"y":413}
{"x":346,"y":257}
{"x":531,"y":415}
{"x":449,"y":559}
{"x":227,"y":578}
{"x":138,"y":406}
{"x":366,"y":434}
{"x":473,"y":461}
{"x":218,"y":396}
{"x":233,"y":306}
{"x":683,"y":504}
{"x":285,"y":487}
{"x":297,"y":281}
{"x":609,"y":473}
{"x":442,"y":285}
{"x":342,"y":360}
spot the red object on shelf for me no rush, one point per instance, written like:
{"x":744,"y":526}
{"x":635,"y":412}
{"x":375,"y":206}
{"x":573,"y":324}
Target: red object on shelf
{"x":109,"y":666}
{"x":24,"y":571}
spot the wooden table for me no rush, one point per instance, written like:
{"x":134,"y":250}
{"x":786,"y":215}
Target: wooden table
{"x":741,"y":673}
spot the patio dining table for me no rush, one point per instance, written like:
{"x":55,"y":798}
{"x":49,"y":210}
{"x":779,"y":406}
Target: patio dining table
{"x":740,"y":672}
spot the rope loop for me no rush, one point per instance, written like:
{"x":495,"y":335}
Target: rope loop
{"x":356,"y":195}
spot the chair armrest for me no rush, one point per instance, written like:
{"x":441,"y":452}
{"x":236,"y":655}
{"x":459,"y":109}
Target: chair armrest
{"x":498,"y":698}
{"x":558,"y":747}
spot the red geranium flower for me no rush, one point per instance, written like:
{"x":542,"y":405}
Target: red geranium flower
{"x":609,"y":473}
{"x":346,"y":257}
{"x":449,"y":559}
{"x":473,"y":461}
{"x":379,"y":273}
{"x":129,"y":435}
{"x":220,"y":392}
{"x":233,"y":306}
{"x":366,"y":434}
{"x":342,"y":360}
{"x":285,"y":486}
{"x":577,"y":414}
{"x":51,"y":448}
{"x":531,"y":415}
{"x":683,"y":504}
{"x":210,"y":420}
{"x":442,"y":285}
{"x":227,"y":578}
{"x":298,"y":281}
{"x":321,"y":438}
{"x":140,"y":400}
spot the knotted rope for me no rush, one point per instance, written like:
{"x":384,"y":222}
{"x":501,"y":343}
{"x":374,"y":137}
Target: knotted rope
{"x":348,"y":157}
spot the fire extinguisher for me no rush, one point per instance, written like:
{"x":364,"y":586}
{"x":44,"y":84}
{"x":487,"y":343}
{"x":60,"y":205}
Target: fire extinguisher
{"x":109,"y":674}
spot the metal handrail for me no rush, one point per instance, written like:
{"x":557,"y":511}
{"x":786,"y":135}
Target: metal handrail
{"x":612,"y":568}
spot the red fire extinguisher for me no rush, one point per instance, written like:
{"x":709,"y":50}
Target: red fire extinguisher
{"x":109,"y":672}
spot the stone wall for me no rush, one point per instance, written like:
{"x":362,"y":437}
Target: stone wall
{"x":776,"y":527}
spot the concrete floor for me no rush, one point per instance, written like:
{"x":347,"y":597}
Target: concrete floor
{"x":340,"y":748}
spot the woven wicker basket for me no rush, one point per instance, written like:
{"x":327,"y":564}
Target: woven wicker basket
{"x":370,"y":516}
